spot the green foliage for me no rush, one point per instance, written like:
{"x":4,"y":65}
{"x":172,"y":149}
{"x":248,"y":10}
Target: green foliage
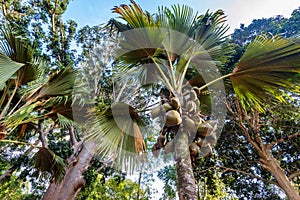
{"x":122,"y":135}
{"x":234,"y":152}
{"x":32,"y":96}
{"x":168,"y":176}
{"x":113,"y":188}
{"x":29,"y":19}
{"x":13,"y":189}
{"x":7,"y":72}
{"x":215,"y":188}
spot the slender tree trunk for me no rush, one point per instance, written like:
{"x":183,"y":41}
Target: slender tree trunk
{"x":187,"y":189}
{"x":273,"y":166}
{"x":8,"y":173}
{"x":74,"y":180}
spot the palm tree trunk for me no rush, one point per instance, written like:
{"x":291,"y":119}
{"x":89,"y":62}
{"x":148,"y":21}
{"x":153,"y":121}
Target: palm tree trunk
{"x":74,"y":180}
{"x":187,"y":189}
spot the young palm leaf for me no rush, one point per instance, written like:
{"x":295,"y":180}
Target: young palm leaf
{"x":267,"y":71}
{"x":134,"y":15}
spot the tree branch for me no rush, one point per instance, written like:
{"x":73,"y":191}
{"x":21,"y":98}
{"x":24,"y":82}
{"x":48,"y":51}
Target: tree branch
{"x":240,"y":116}
{"x":283,"y":139}
{"x":294,"y":175}
{"x":229,"y":108}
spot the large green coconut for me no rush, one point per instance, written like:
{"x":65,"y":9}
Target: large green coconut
{"x":166,"y":107}
{"x":158,"y":110}
{"x":204,"y":129}
{"x":201,"y":142}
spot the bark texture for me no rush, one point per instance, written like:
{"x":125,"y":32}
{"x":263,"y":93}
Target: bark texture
{"x":187,"y":189}
{"x":74,"y":180}
{"x":273,"y":166}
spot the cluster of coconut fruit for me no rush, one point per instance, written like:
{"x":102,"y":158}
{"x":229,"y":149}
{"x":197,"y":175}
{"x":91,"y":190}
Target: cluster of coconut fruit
{"x":182,"y":113}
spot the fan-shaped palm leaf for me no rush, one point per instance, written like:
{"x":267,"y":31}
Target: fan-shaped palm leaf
{"x":134,"y":15}
{"x":19,"y":50}
{"x":8,"y":68}
{"x":59,"y":83}
{"x":178,"y":18}
{"x":46,"y":160}
{"x":194,"y":37}
{"x":267,"y":71}
{"x":210,"y":29}
{"x":115,"y":128}
{"x":54,"y":96}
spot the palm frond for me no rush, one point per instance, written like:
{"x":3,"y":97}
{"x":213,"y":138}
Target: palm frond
{"x":59,"y":83}
{"x":140,"y":44}
{"x":54,"y":96}
{"x":178,"y":18}
{"x":22,"y":114}
{"x":19,"y":49}
{"x":209,"y":31}
{"x":65,"y":122}
{"x":8,"y":68}
{"x":267,"y":71}
{"x":41,"y":77}
{"x":134,"y":15}
{"x":46,"y":160}
{"x":115,"y":129}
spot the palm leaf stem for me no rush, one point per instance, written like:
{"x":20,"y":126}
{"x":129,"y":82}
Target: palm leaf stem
{"x":173,"y":78}
{"x":216,"y":80}
{"x":183,"y":74}
{"x":150,"y":107}
{"x":5,"y":109}
{"x":5,"y":93}
{"x":164,"y":78}
{"x":17,"y":104}
{"x":18,"y":142}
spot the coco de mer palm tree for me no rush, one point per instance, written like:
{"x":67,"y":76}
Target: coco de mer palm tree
{"x":167,"y":47}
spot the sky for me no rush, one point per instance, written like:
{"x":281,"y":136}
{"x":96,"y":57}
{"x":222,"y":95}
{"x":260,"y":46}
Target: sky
{"x":94,"y":12}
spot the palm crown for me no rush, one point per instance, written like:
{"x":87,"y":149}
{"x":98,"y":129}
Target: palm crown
{"x":169,"y":44}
